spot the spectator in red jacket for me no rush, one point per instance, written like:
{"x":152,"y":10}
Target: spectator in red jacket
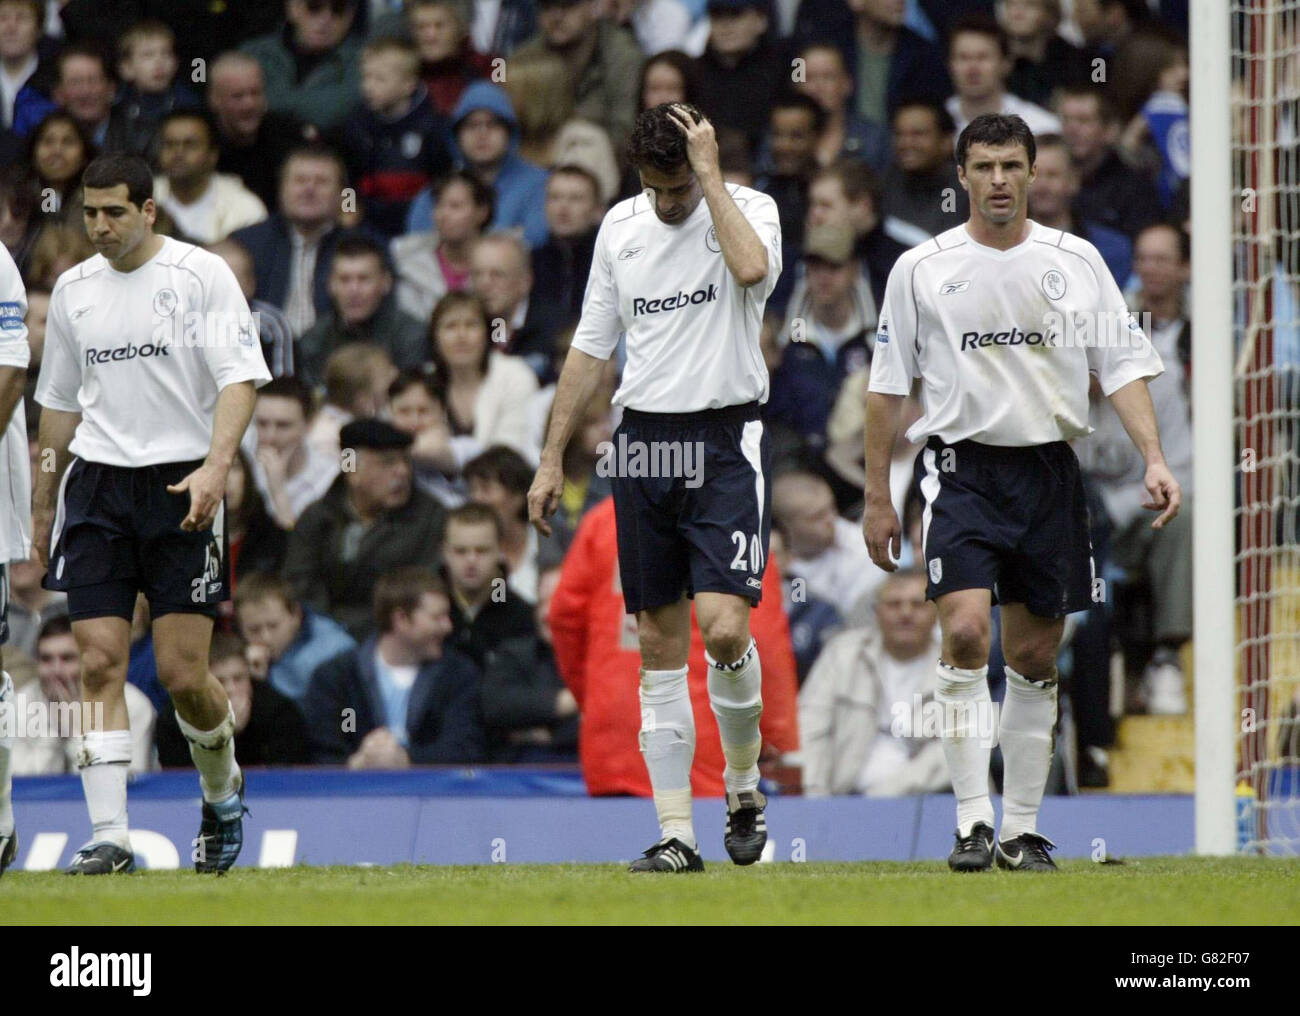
{"x":595,"y":646}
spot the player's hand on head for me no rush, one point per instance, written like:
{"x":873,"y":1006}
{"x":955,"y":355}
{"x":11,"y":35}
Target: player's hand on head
{"x":883,"y":534}
{"x":1165,"y":494}
{"x":206,"y":487}
{"x":544,"y":496}
{"x":701,"y":141}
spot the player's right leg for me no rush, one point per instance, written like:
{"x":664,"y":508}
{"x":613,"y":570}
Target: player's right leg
{"x":963,"y":697}
{"x":104,"y":643}
{"x":668,"y":735}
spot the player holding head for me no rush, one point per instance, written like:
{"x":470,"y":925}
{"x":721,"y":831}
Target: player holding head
{"x":1003,"y":320}
{"x":147,"y":384}
{"x":15,"y":512}
{"x":684,"y":268}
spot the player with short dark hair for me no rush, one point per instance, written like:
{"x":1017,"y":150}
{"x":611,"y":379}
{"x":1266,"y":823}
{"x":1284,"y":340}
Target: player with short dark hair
{"x":147,"y":383}
{"x":1003,"y":320}
{"x":684,"y":268}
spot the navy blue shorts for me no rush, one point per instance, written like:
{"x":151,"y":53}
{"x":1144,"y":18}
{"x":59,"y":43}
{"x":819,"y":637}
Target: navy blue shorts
{"x":1012,"y":520}
{"x":117,"y":531}
{"x":693,"y":504}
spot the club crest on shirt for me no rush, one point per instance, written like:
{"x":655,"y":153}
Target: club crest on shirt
{"x":711,"y":240}
{"x":411,"y":144}
{"x":1054,"y":284}
{"x":164,"y":302}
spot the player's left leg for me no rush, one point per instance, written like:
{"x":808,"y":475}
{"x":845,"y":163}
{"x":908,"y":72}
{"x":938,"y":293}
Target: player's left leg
{"x":736,"y":696}
{"x":1030,"y":644}
{"x":203,"y":710}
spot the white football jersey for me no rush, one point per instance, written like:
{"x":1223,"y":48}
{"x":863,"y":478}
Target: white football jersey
{"x":1004,"y":341}
{"x":142,"y":355}
{"x":692,"y":329}
{"x":15,"y":460}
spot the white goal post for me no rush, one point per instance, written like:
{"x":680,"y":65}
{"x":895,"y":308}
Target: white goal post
{"x":1245,"y":313}
{"x":1214,"y":457}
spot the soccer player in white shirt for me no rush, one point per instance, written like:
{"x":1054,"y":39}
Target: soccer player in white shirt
{"x":1003,"y":320}
{"x":147,"y":384}
{"x":684,"y":270}
{"x":15,"y":506}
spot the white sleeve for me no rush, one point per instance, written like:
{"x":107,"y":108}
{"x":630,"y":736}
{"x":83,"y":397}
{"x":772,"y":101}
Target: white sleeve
{"x":1121,"y":352}
{"x":59,"y":383}
{"x":761,"y":213}
{"x":893,"y":361}
{"x":14,"y":351}
{"x":235,"y":354}
{"x":601,"y":324}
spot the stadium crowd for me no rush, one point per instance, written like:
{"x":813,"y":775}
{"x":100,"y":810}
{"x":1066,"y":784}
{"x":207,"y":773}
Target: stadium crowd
{"x":409,"y":194}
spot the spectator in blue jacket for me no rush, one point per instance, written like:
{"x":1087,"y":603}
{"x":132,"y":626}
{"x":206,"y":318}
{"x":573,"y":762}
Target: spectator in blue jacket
{"x":395,"y":144}
{"x":311,"y":62}
{"x":486,"y":138}
{"x":83,"y":85}
{"x":287,"y":640}
{"x":402,"y":698}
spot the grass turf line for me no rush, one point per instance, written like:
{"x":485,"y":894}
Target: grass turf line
{"x":1164,"y":890}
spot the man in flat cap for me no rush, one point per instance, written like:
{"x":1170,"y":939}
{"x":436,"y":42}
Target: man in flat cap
{"x":370,"y":521}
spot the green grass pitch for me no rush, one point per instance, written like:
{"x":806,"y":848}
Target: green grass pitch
{"x":1162,"y":891}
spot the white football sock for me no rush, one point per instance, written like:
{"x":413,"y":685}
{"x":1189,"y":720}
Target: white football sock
{"x":668,"y":744}
{"x":8,"y":724}
{"x":964,"y":698}
{"x":736,"y":695}
{"x":1028,"y":719}
{"x":104,"y":760}
{"x":213,"y":752}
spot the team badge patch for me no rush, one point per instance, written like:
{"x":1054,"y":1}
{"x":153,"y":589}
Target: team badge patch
{"x":411,"y":144}
{"x":1054,"y":285}
{"x":164,"y":302}
{"x":936,"y":570}
{"x":711,"y":240}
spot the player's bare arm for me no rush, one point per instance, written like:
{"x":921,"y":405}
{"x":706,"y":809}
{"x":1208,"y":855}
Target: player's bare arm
{"x":1133,"y":404}
{"x":742,"y":249}
{"x":12,"y":380}
{"x":880,"y":526}
{"x":576,"y":386}
{"x":54,"y":435}
{"x":207,"y":484}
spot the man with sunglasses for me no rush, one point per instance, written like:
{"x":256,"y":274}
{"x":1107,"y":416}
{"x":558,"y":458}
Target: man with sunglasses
{"x":311,"y":63}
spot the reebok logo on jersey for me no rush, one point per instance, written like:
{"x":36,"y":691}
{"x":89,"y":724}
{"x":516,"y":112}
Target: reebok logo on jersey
{"x":1015,"y":337}
{"x":640,"y":306}
{"x":128,"y":352}
{"x":628,"y":253}
{"x":950,"y":288}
